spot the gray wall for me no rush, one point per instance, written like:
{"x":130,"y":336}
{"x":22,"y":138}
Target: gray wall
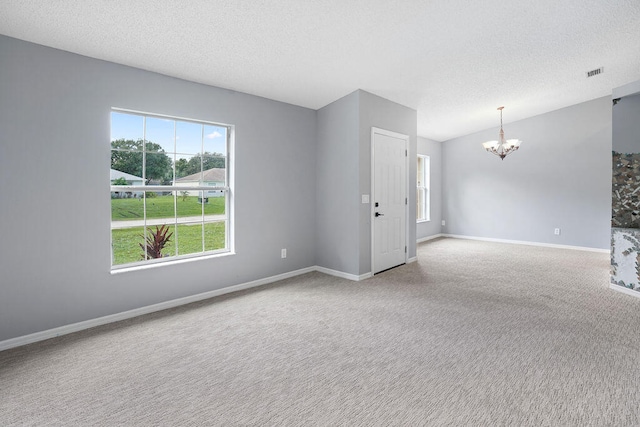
{"x":343,"y":233}
{"x":632,"y":88}
{"x":626,"y":125}
{"x":433,"y":149}
{"x":54,"y":169}
{"x":560,"y":177}
{"x":337,"y":204}
{"x":384,"y":114}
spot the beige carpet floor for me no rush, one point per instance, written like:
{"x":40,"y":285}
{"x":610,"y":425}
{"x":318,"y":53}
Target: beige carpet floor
{"x":473,"y":334}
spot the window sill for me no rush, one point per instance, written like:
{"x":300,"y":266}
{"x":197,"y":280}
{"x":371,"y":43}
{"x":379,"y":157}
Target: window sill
{"x":119,"y":270}
{"x":422,"y":220}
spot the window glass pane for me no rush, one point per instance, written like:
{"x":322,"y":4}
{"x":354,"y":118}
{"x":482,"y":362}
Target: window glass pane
{"x":189,"y":205}
{"x":215,"y":140}
{"x":125,"y":245}
{"x":196,"y":166}
{"x":188,"y":138}
{"x":187,"y":170}
{"x":158,"y":169}
{"x":159,"y":241}
{"x":210,"y":161}
{"x":189,"y":238}
{"x":427,"y":212}
{"x":214,"y":173}
{"x":160,"y":134}
{"x":420,"y":204}
{"x":126,"y":206}
{"x":420,"y":173}
{"x":214,"y":235}
{"x":126,"y":168}
{"x":127,"y":127}
{"x":216,"y":203}
{"x":160,"y":206}
{"x":126,"y":164}
{"x":190,"y":165}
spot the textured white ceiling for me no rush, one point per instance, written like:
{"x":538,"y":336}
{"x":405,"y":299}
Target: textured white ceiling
{"x":455,"y":61}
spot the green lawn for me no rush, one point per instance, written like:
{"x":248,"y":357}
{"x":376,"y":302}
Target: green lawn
{"x":163,"y":207}
{"x":126,"y":242}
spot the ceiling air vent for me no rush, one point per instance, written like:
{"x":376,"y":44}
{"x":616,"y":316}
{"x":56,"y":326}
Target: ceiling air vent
{"x":595,"y":72}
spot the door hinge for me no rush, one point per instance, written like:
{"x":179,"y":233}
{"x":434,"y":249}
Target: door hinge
{"x":406,"y":153}
{"x":405,"y":201}
{"x":405,"y":249}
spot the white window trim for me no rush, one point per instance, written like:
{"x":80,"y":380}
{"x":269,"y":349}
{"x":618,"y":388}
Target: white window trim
{"x":229,"y":248}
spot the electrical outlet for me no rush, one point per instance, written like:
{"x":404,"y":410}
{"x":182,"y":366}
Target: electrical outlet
{"x":556,"y":231}
{"x":283,"y":253}
{"x":443,"y":223}
{"x":365,"y":198}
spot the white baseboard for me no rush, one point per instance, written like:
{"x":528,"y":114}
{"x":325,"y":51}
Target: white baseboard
{"x":522,"y":242}
{"x":624,"y":290}
{"x":79,"y":326}
{"x":424,"y":239}
{"x":342,"y":274}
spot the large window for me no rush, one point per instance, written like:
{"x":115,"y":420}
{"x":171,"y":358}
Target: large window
{"x":170,"y":189}
{"x":423,"y":209}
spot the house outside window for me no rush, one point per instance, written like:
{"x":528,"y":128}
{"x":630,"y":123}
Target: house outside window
{"x":423,"y":192}
{"x":162,"y":204}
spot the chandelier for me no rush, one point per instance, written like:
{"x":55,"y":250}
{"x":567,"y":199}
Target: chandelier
{"x":502,"y":147}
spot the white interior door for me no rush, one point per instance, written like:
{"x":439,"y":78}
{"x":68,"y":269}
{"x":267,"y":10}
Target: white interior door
{"x":389,"y":204}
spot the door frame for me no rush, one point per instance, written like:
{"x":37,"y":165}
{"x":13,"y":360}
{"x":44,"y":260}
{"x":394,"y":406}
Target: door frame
{"x":380,"y":131}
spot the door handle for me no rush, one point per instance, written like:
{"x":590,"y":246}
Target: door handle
{"x":379,"y":214}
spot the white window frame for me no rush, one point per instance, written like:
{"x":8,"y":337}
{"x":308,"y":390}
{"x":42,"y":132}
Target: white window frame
{"x":423,"y":210}
{"x":227,"y":189}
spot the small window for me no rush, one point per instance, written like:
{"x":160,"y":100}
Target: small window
{"x":423,"y":207}
{"x":163,"y":206}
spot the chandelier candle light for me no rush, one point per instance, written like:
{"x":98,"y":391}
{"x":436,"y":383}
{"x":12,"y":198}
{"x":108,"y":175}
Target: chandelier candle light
{"x":502,"y":147}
